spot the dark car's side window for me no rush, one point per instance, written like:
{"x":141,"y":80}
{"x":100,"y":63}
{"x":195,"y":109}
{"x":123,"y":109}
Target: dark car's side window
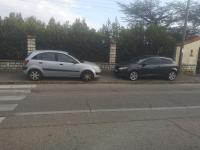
{"x":45,"y":56}
{"x":152,"y":61}
{"x":65,"y":58}
{"x":166,"y":61}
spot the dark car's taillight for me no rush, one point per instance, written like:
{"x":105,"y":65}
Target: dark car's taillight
{"x":25,"y":62}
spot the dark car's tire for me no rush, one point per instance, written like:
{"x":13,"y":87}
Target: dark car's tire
{"x":87,"y":75}
{"x":34,"y":75}
{"x":133,"y":76}
{"x":172,"y":75}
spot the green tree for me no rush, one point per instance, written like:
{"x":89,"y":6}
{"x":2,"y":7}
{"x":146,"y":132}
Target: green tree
{"x":131,"y":43}
{"x":159,"y":42}
{"x":12,"y":41}
{"x":178,"y":8}
{"x":147,"y":12}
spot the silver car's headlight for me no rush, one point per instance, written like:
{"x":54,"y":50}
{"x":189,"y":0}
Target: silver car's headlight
{"x":97,"y":69}
{"x":123,"y":68}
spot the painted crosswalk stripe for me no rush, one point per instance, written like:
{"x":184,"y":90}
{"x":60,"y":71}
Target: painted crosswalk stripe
{"x":7,"y":107}
{"x":12,"y":98}
{"x":1,"y":119}
{"x":15,"y":91}
{"x":17,"y":86}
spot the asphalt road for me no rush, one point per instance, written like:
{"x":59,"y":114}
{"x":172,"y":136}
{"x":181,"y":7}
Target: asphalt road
{"x":100,"y":117}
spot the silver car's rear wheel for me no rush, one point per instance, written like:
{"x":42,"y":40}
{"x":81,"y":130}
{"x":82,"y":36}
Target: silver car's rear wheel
{"x":133,"y":76}
{"x":172,"y":75}
{"x":87,"y":76}
{"x":34,"y":75}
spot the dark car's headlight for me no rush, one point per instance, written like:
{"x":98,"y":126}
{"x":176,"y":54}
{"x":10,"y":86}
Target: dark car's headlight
{"x":123,"y":68}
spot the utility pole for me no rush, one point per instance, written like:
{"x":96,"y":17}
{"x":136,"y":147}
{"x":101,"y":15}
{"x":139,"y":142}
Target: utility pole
{"x":184,"y":34}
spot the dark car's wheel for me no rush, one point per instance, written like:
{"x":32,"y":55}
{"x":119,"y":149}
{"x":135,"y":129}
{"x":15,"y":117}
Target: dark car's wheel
{"x":133,"y":76}
{"x":34,"y":75}
{"x":172,"y":75}
{"x":87,"y":76}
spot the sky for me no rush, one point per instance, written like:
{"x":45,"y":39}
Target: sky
{"x":95,"y":12}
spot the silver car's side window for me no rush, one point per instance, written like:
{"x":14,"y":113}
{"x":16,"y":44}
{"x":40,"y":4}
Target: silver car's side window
{"x":45,"y":56}
{"x":65,"y":58}
{"x":49,"y":56}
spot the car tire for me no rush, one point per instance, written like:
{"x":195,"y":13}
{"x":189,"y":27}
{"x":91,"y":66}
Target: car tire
{"x":172,"y":75}
{"x":34,"y":75}
{"x":87,"y":76}
{"x":133,"y":76}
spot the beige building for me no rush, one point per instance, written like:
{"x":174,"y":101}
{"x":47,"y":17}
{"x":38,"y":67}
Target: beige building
{"x":191,"y":55}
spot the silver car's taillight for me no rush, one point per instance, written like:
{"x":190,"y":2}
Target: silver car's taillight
{"x":25,"y":62}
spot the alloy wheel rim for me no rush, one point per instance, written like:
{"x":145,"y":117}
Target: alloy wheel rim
{"x":133,"y":76}
{"x":35,"y":75}
{"x":172,"y":75}
{"x":87,"y":76}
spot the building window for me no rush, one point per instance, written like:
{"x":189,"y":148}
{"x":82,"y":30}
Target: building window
{"x":191,"y":53}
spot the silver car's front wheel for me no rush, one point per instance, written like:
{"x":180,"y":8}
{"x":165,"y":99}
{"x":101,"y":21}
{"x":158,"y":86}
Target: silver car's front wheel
{"x":87,"y":76}
{"x":133,"y":76}
{"x":34,"y":75}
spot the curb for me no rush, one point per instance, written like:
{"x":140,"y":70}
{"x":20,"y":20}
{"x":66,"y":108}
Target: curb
{"x":99,"y":82}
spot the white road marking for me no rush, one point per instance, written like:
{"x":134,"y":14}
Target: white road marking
{"x":1,"y":119}
{"x":7,"y":107}
{"x":15,"y":91}
{"x":17,"y":86}
{"x":12,"y":98}
{"x":52,"y":112}
{"x":106,"y":110}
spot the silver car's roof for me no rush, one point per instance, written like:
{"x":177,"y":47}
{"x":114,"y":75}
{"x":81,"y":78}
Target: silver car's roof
{"x":57,"y":51}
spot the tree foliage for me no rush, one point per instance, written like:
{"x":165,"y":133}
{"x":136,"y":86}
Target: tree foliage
{"x":179,"y":8}
{"x":77,"y":38}
{"x":165,"y":14}
{"x":138,"y":41}
{"x":147,"y":12}
{"x":80,"y":40}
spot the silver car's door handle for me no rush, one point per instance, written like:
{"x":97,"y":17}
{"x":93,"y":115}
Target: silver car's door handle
{"x":40,"y":62}
{"x":61,"y":64}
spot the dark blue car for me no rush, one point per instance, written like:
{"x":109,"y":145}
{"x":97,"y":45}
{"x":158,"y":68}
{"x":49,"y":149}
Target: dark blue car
{"x":148,"y":66}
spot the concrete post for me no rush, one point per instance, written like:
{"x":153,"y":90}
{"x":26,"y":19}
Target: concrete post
{"x":31,"y":43}
{"x":113,"y":49}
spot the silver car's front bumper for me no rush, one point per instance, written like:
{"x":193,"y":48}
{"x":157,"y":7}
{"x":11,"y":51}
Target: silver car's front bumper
{"x":97,"y":75}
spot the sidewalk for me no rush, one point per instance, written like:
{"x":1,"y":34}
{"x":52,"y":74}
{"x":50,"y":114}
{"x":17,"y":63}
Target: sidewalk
{"x":20,"y":78}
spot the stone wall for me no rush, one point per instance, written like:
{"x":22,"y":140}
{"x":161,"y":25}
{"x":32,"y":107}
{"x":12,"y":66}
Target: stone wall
{"x":10,"y":65}
{"x":106,"y":66}
{"x":16,"y":65}
{"x":113,"y":49}
{"x":189,"y":69}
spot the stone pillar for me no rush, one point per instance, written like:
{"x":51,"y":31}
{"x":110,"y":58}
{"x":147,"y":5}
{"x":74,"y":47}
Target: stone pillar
{"x":113,"y":49}
{"x":31,"y":43}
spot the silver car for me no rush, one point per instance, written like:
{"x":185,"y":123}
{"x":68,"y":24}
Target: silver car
{"x":54,"y":63}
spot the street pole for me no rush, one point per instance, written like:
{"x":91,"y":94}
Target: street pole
{"x":184,"y":34}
